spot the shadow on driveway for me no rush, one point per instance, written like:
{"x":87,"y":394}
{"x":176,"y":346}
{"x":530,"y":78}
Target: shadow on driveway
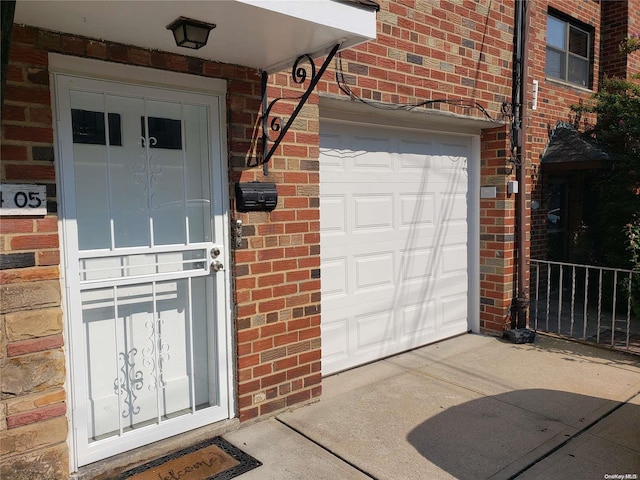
{"x":481,"y":439}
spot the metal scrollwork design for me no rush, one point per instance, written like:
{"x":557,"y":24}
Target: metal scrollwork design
{"x":154,"y":356}
{"x":299,"y":75}
{"x":147,"y":173}
{"x":130,"y":382}
{"x":276,"y":125}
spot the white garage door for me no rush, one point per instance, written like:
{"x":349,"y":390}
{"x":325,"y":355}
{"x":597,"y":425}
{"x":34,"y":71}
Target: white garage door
{"x":394,"y":240}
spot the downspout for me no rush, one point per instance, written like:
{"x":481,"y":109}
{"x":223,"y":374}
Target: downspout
{"x":518,"y":140}
{"x":8,"y":12}
{"x":522,"y":301}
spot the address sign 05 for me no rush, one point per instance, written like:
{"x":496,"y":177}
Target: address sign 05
{"x":19,"y":199}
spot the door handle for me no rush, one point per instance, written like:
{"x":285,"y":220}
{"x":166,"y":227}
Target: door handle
{"x":216,"y":266}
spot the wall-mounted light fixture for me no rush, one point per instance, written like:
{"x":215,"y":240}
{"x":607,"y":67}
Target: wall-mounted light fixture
{"x":190,"y":33}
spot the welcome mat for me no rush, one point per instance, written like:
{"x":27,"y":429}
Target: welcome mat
{"x":214,"y":459}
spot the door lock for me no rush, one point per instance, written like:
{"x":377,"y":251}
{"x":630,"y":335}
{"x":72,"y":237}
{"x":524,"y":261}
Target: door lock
{"x":216,"y":266}
{"x":215,"y":252}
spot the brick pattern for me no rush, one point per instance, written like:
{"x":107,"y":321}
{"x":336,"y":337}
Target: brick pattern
{"x":31,"y":357}
{"x":497,"y":234}
{"x":428,"y":50}
{"x":615,"y":30}
{"x":620,"y":20}
{"x":633,"y":15}
{"x":278,"y":269}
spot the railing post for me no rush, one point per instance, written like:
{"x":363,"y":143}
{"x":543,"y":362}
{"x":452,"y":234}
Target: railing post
{"x":586,"y":303}
{"x":566,"y":322}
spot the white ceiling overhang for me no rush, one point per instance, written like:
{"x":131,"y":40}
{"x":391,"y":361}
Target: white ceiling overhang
{"x":264,"y":34}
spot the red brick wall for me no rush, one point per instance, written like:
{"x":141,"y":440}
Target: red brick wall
{"x":621,"y":19}
{"x":615,"y":29}
{"x":32,"y":405}
{"x":497,"y":234}
{"x":633,"y":15}
{"x":278,"y":269}
{"x":434,"y":50}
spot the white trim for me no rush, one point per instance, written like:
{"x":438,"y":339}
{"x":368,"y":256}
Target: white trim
{"x":473,"y":245}
{"x":64,"y":303}
{"x":343,"y":16}
{"x":401,"y":127}
{"x":334,"y":107}
{"x":148,"y":77}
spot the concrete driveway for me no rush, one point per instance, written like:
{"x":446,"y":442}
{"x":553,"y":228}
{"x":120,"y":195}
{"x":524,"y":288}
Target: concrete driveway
{"x":472,"y":407}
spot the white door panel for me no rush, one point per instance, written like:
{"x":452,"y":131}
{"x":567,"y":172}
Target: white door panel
{"x":394,"y":238}
{"x":142,"y":199}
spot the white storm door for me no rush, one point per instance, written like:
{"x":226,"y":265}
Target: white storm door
{"x":142,"y":188}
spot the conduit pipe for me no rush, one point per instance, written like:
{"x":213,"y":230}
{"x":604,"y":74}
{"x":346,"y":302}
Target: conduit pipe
{"x":519,"y":128}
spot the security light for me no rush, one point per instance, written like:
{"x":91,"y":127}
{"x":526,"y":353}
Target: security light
{"x":190,"y":33}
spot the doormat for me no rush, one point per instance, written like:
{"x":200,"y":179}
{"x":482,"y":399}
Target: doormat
{"x":214,"y":459}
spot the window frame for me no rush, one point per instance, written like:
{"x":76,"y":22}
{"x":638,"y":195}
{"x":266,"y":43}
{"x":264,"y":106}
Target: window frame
{"x":570,"y":23}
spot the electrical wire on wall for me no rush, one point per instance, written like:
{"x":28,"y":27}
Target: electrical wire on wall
{"x":461,"y":103}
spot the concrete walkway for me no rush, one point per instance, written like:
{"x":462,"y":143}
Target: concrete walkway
{"x":472,"y":407}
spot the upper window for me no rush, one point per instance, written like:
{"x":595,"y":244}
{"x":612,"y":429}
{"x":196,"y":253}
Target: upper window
{"x":568,"y":51}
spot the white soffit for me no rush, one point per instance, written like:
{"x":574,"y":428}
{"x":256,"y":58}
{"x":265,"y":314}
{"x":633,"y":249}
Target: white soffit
{"x":263,"y":34}
{"x":342,"y":108}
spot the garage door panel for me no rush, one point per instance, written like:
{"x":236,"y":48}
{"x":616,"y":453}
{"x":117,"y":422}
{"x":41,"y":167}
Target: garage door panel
{"x":334,"y":158}
{"x":335,"y":277}
{"x":374,"y":329}
{"x":335,"y":339}
{"x":436,"y":179}
{"x":454,"y":310}
{"x":373,"y":213}
{"x":333,"y":217}
{"x":417,"y":209}
{"x":417,"y":265}
{"x":449,"y":286}
{"x":454,"y":259}
{"x":371,"y":162}
{"x":394,"y":234}
{"x":416,"y":148}
{"x":373,"y":271}
{"x":418,"y":320}
{"x":455,"y":149}
{"x":453,"y":207}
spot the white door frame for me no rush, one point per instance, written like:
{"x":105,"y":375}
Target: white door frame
{"x":145,"y":77}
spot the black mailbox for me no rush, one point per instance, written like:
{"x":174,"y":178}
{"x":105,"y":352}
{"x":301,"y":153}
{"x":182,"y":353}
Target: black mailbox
{"x":256,"y":197}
